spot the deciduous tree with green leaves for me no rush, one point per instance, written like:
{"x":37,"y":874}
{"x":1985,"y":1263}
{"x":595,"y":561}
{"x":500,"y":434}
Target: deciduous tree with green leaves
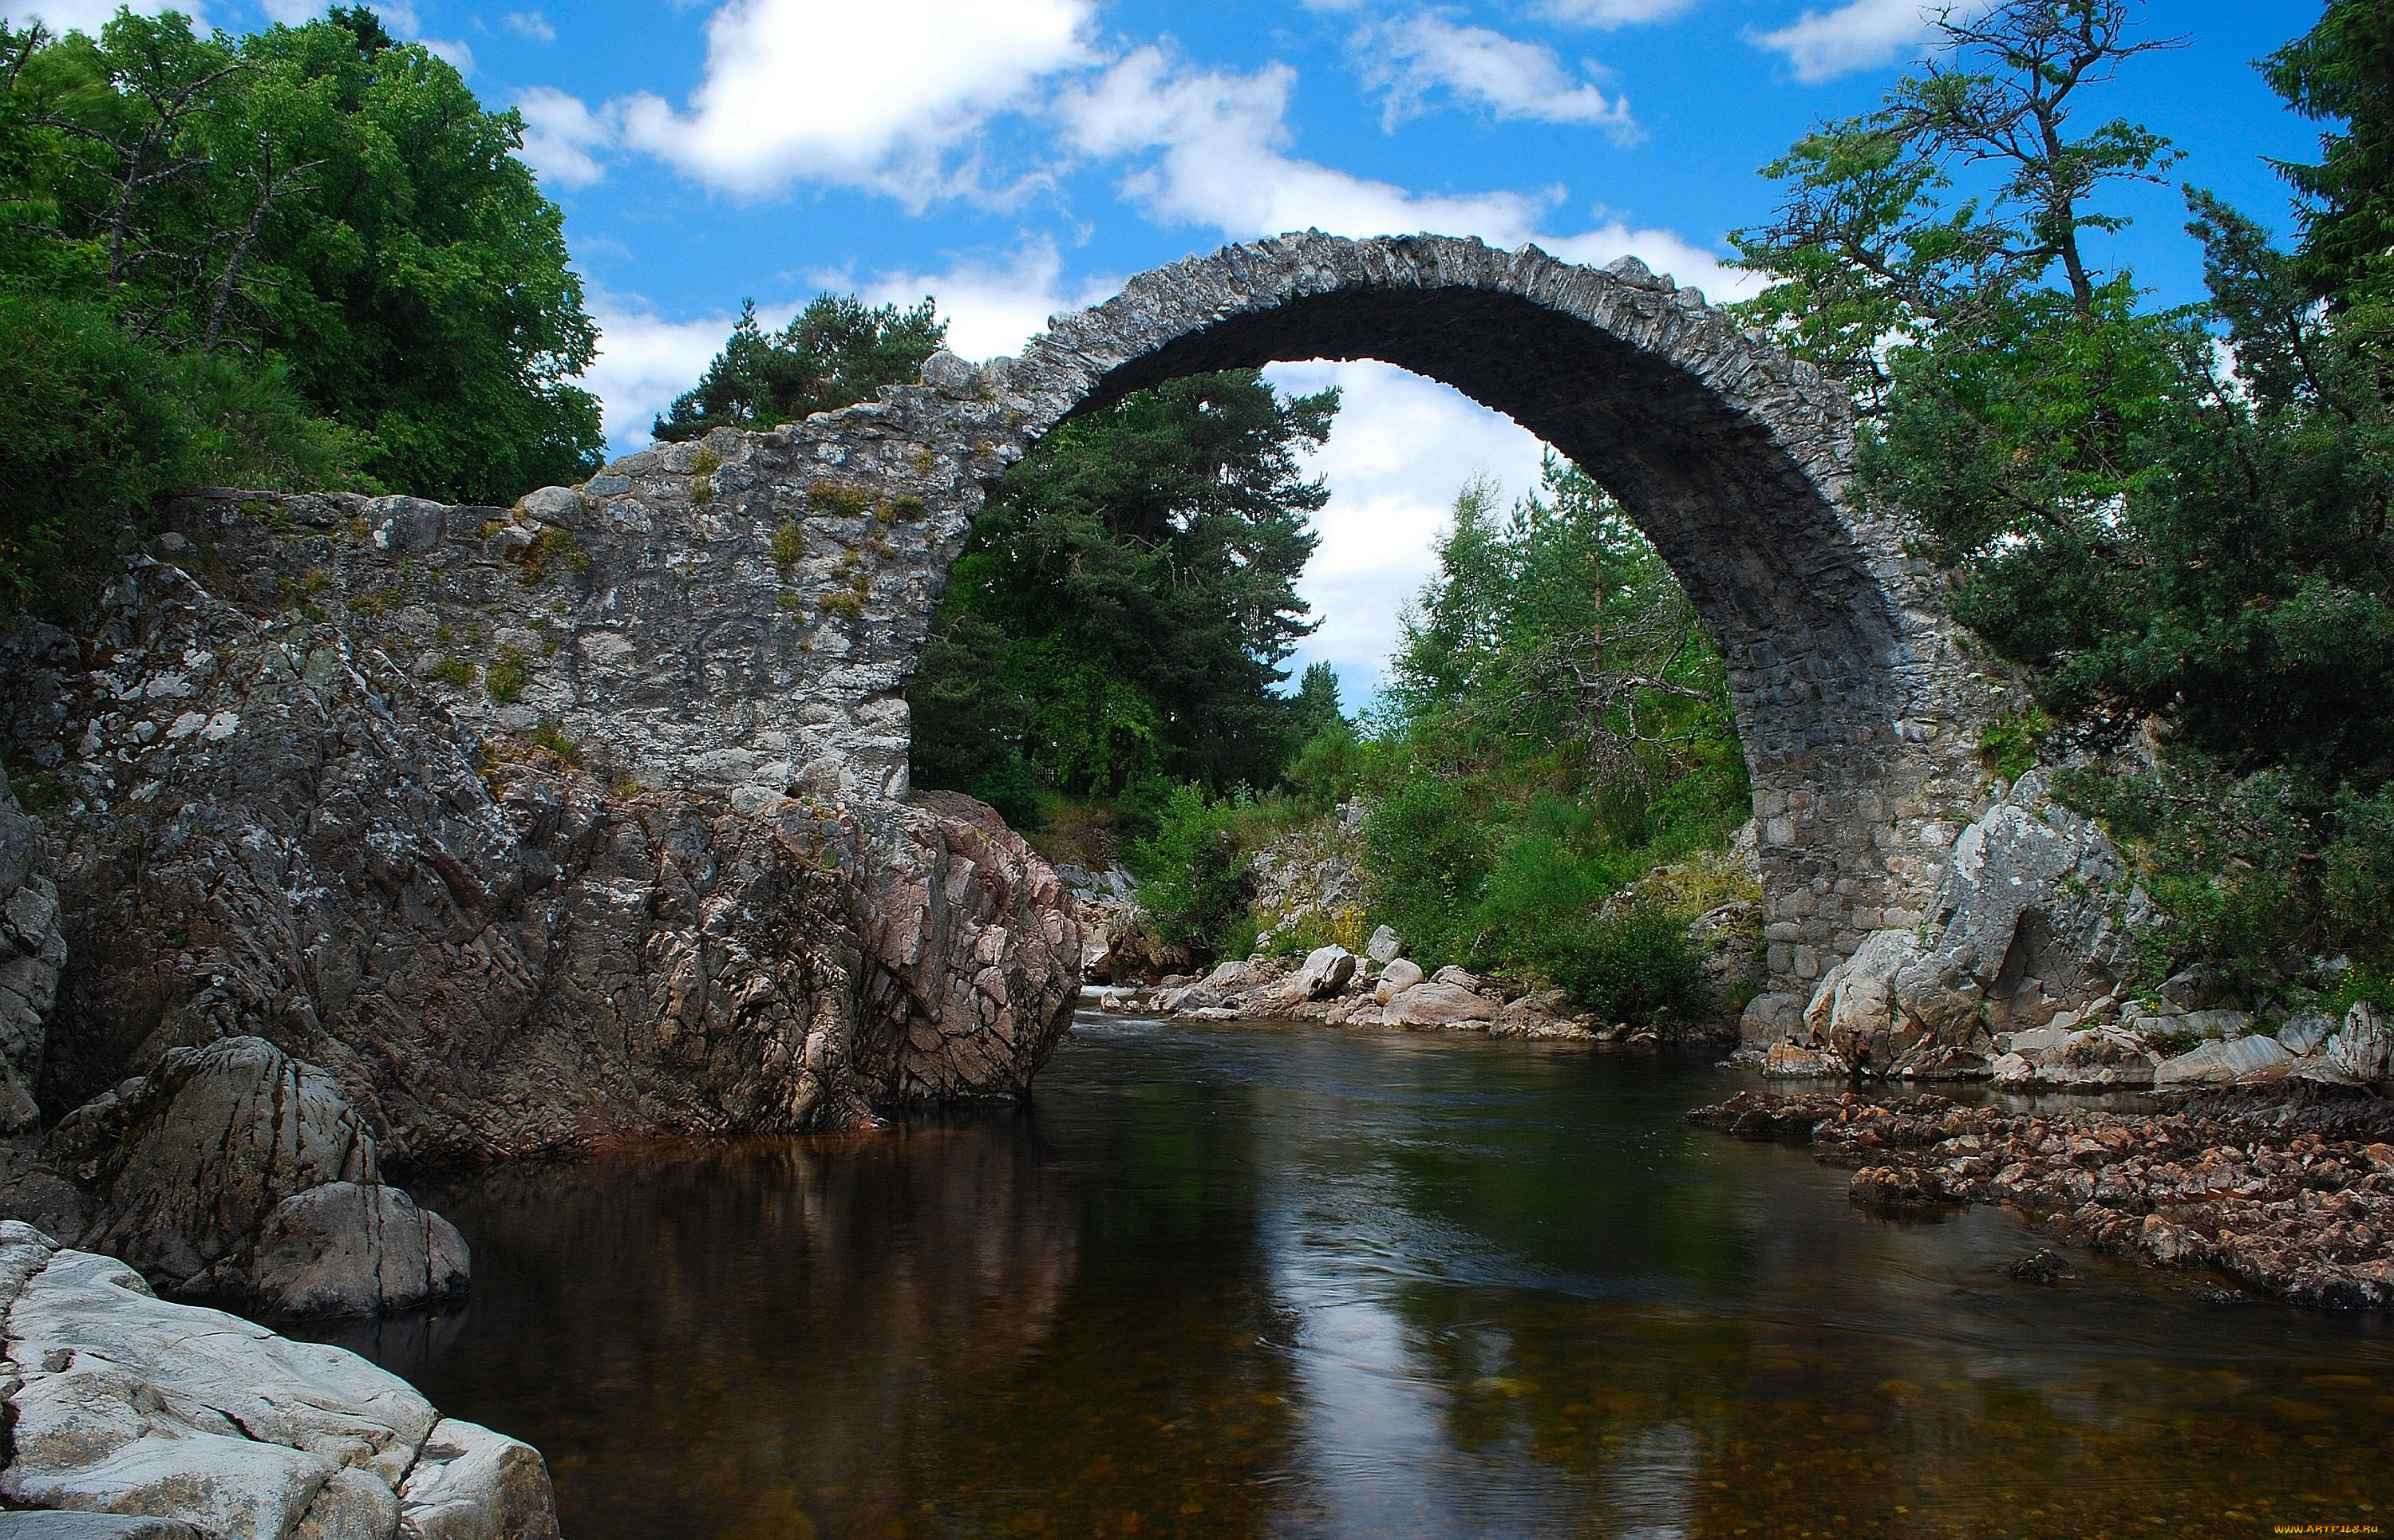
{"x":2186,"y":544}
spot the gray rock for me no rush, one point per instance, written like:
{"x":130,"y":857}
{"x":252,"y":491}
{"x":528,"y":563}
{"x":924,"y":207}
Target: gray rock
{"x":1325,"y":972}
{"x":2238,"y":1062}
{"x":188,"y":1161}
{"x":561,"y":505}
{"x":470,"y":1483}
{"x":123,"y":1402}
{"x":1457,"y":977}
{"x":33,"y":950}
{"x":948,"y":374}
{"x":351,"y":1248}
{"x":1854,"y":1010}
{"x":2195,"y":988}
{"x":1437,"y":1003}
{"x":2219,"y":1023}
{"x":2097,"y":1057}
{"x":2304,"y":1032}
{"x":237,"y":1173}
{"x":1770,"y":1017}
{"x":2021,"y":927}
{"x":1399,"y":974}
{"x":1383,"y":947}
{"x":64,"y":1524}
{"x":2363,"y":1048}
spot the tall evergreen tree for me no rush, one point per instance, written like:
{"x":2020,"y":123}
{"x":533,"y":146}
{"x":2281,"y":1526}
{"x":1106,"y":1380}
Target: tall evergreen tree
{"x":835,"y":352}
{"x":1127,"y":597}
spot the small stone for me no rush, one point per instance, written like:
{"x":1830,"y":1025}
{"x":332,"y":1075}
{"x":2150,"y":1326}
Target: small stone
{"x":2041,"y":1267}
{"x":1383,"y":947}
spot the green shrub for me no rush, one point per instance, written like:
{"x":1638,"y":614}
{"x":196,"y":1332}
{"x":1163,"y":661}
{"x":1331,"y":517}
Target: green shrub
{"x":1626,"y":964}
{"x":551,"y":738}
{"x":504,"y":679}
{"x":789,"y":549}
{"x":2008,"y":743}
{"x":832,"y":498}
{"x":1427,"y":847}
{"x":453,"y":671}
{"x":1192,"y":874}
{"x":2255,"y":874}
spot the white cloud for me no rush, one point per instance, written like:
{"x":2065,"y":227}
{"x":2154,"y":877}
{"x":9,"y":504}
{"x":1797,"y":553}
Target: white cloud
{"x":645,"y":361}
{"x":1220,"y":136}
{"x":453,"y":49}
{"x":1400,"y":448}
{"x":994,"y":309}
{"x":1858,"y":35}
{"x":1412,"y":58}
{"x":562,"y":136}
{"x":1611,"y":13}
{"x":874,"y":94}
{"x":87,"y":16}
{"x":1661,"y":250}
{"x":1219,"y":142}
{"x":532,"y":24}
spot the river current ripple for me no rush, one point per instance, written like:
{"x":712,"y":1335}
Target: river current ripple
{"x":1283,"y":1280}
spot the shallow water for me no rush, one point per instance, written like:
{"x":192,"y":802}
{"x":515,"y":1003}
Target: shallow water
{"x":1291,"y":1280}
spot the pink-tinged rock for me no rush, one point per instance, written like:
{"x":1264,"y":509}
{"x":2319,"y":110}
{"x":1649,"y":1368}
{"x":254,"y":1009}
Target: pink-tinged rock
{"x":1434,"y":1003}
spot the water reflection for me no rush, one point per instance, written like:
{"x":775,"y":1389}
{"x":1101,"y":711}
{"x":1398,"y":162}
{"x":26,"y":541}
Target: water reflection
{"x":1291,"y":1282}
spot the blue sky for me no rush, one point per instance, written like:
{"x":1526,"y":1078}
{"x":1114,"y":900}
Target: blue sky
{"x":1020,"y":157}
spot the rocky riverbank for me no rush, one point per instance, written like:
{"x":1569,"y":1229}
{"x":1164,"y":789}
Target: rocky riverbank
{"x":1339,"y":989}
{"x":120,"y":1403}
{"x":2287,"y":1191}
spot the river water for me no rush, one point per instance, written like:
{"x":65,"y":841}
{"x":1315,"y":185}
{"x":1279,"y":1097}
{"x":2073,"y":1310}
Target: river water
{"x":1284,"y":1280}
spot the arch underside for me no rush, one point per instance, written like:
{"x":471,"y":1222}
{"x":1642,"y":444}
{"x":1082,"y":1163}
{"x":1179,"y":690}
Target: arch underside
{"x":1826,"y":663}
{"x":1811,"y":639}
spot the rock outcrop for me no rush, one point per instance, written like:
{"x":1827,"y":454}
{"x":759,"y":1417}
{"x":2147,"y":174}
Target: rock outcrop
{"x":266,"y":824}
{"x":33,"y":950}
{"x":121,"y":1404}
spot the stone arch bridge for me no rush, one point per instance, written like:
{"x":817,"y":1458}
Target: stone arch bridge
{"x":742,"y":613}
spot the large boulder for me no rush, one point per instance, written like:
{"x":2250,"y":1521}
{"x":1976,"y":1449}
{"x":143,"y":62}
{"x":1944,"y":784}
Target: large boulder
{"x":2022,"y":926}
{"x":2364,"y":1050}
{"x":237,"y":1173}
{"x":1854,"y":1009}
{"x":1326,"y":971}
{"x":355,"y":1248}
{"x":121,"y":1404}
{"x":1399,"y":974}
{"x":1440,"y":1003}
{"x":33,"y":950}
{"x":2227,"y":1061}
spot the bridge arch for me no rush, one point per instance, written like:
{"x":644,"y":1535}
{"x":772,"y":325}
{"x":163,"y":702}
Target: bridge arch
{"x":1857,"y":711}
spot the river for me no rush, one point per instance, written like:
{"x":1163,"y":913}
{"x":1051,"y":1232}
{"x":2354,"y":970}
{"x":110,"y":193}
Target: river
{"x":1284,"y":1280}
